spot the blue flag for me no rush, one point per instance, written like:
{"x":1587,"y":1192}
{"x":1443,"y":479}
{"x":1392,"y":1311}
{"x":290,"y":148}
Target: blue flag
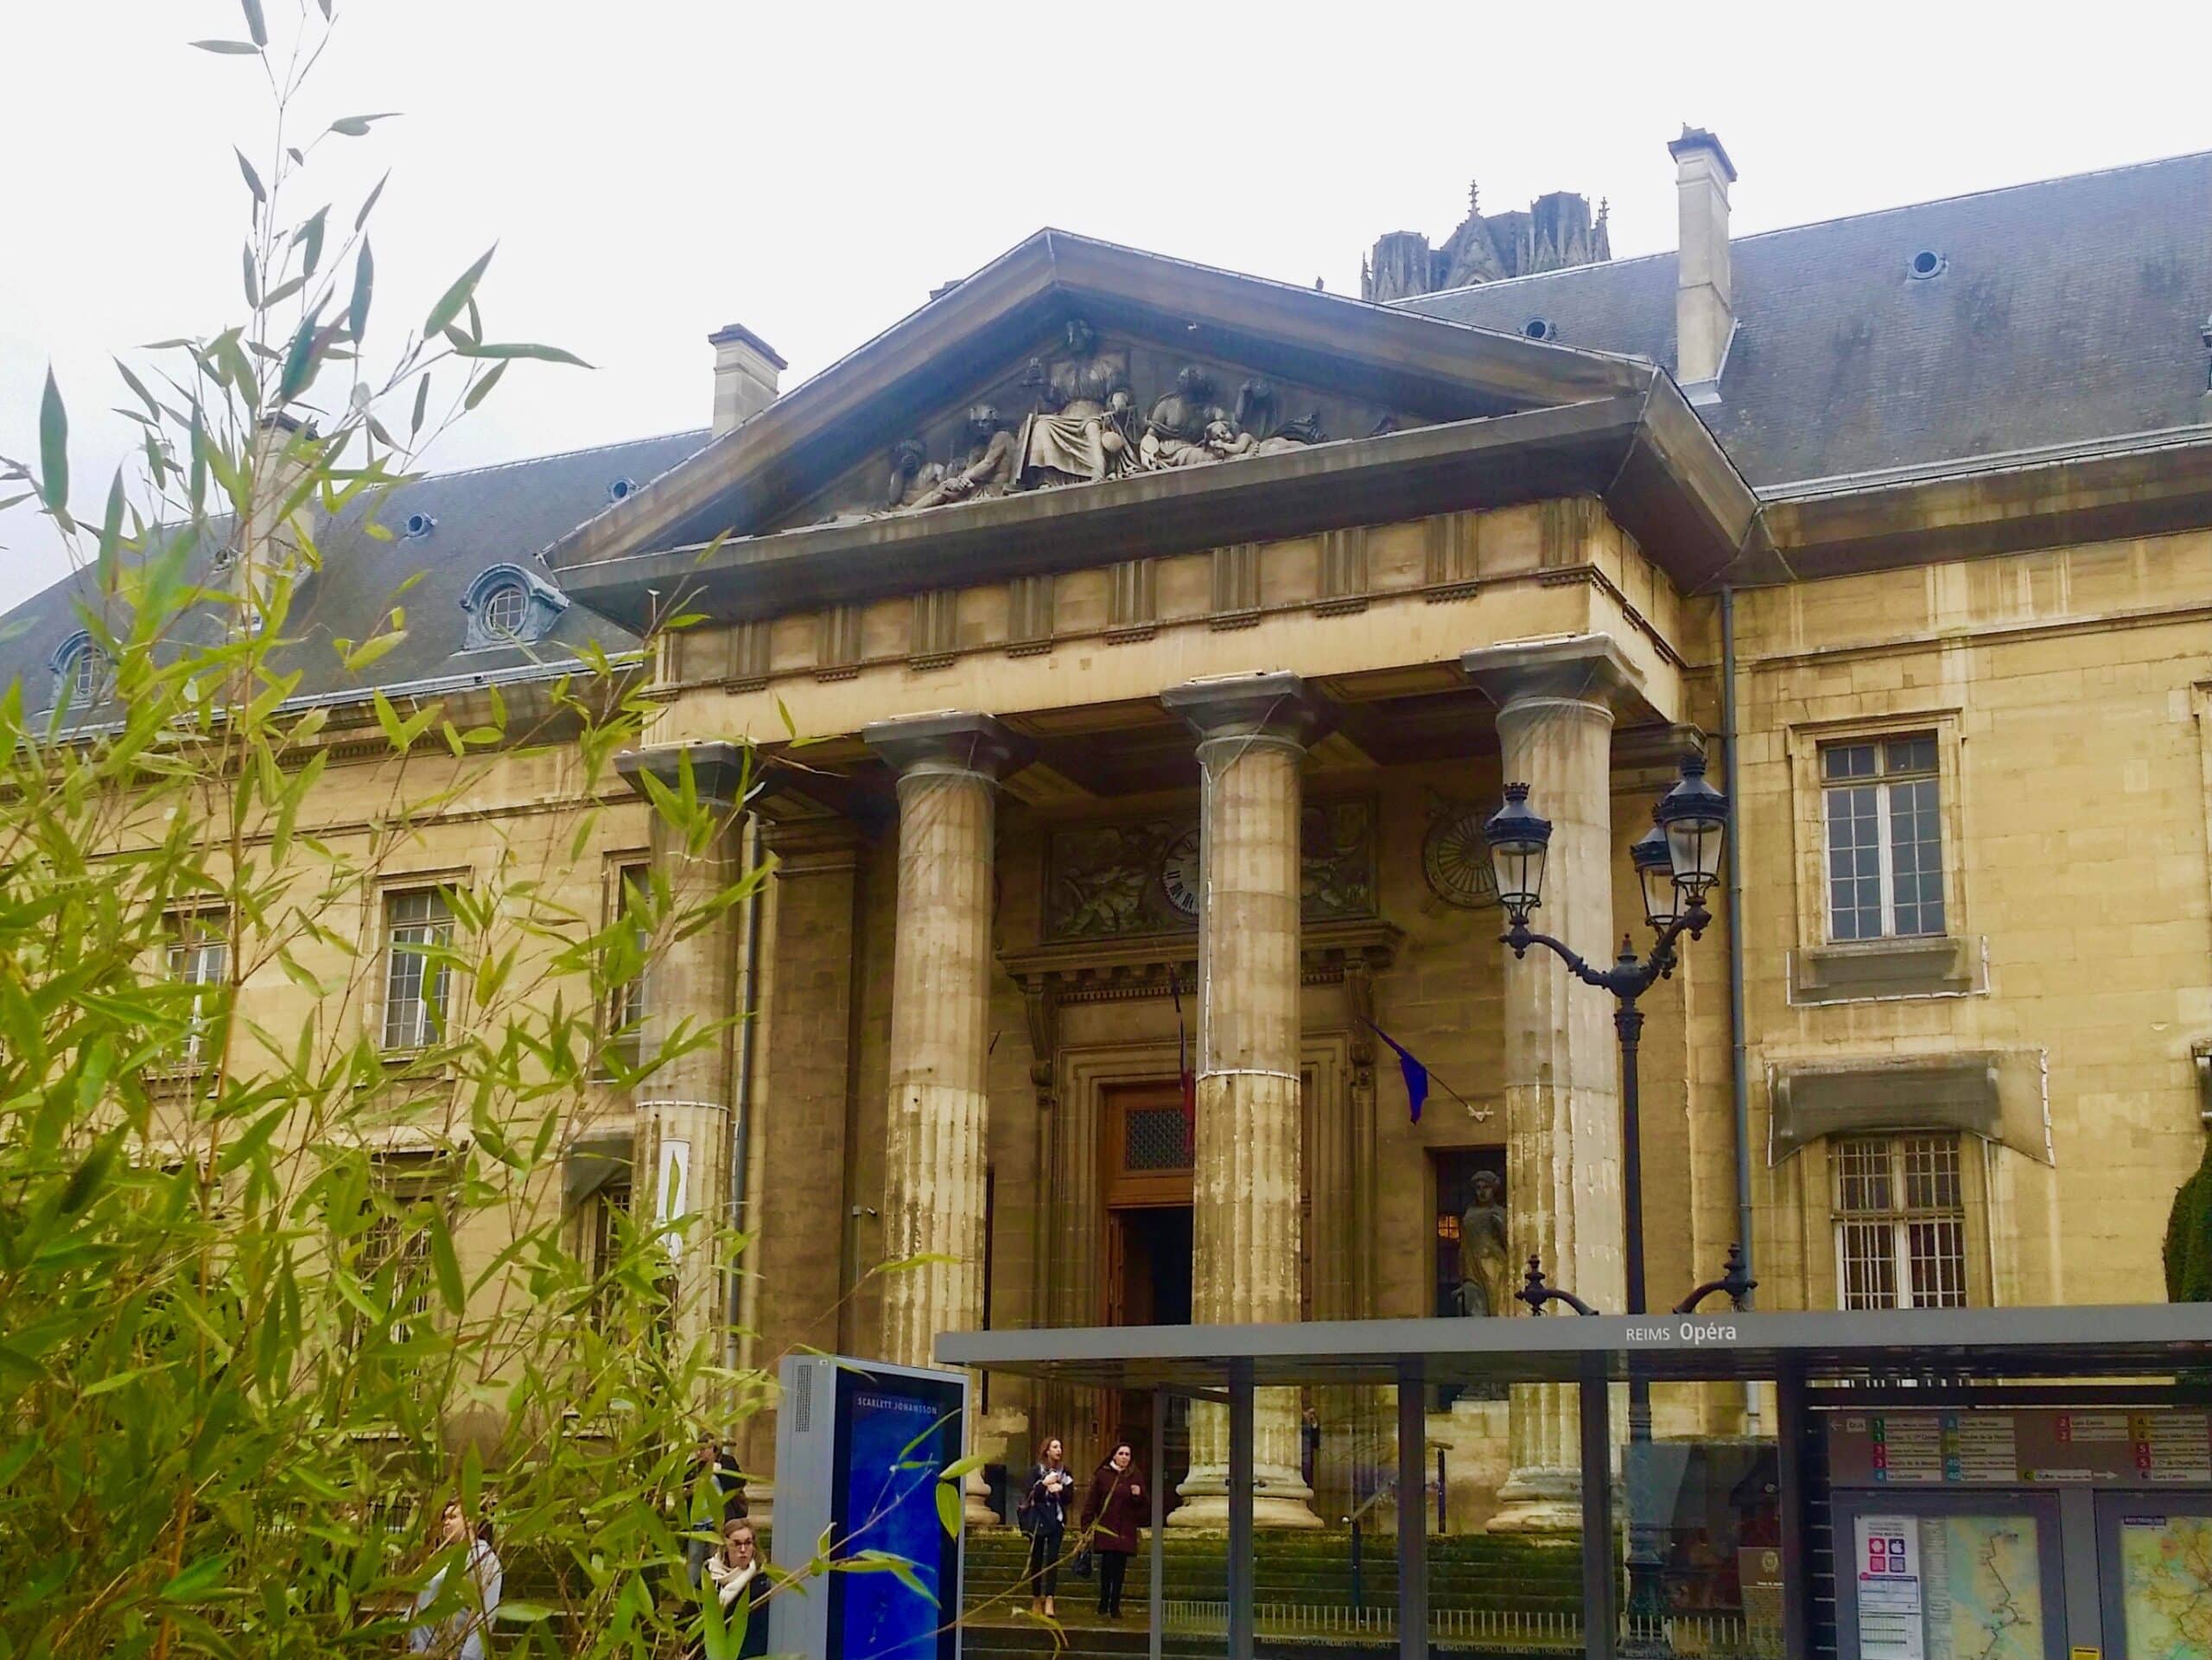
{"x":1416,"y":1074}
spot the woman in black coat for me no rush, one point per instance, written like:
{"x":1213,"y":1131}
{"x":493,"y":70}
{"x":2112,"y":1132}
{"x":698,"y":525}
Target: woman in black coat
{"x":1044,"y":1512}
{"x":1114,"y":1516}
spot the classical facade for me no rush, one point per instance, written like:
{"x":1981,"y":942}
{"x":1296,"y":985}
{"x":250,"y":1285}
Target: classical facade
{"x":1159,"y":639}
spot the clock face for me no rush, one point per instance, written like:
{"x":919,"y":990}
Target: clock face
{"x":1178,"y":872}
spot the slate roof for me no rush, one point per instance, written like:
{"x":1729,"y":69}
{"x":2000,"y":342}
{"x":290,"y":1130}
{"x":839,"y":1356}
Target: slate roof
{"x":2066,"y":312}
{"x":484,"y":516}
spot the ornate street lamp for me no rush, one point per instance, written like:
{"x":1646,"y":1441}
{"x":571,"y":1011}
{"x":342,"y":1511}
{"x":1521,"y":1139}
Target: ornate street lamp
{"x":1676,"y":862}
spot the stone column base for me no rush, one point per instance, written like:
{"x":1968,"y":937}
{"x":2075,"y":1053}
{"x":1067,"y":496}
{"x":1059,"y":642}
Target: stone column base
{"x":760,"y":1501}
{"x":1539,"y":1501}
{"x":1279,"y":1500}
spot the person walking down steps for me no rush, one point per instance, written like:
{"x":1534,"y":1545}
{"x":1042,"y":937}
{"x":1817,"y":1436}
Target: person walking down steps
{"x":1112,"y":1520}
{"x":1043,"y":1514}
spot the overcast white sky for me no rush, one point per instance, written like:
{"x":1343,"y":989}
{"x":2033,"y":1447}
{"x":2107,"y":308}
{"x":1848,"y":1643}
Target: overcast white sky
{"x":655,"y":169}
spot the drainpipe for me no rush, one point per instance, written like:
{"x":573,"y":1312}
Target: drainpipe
{"x":1740,"y":1080}
{"x":743,"y":1291}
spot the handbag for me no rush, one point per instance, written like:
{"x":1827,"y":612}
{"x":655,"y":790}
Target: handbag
{"x":1084,"y":1563}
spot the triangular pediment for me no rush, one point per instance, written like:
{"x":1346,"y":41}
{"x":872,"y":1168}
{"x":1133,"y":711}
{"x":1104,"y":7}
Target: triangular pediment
{"x":1283,"y":369}
{"x":1079,"y":404}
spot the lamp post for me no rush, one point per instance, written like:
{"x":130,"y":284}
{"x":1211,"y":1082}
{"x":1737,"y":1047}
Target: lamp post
{"x":1676,"y":861}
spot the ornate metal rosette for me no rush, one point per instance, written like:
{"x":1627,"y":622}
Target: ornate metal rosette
{"x":1456,"y":860}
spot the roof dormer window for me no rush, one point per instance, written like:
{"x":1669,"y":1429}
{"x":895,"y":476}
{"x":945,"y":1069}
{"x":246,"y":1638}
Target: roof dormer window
{"x":79,"y":672}
{"x":509,"y":605}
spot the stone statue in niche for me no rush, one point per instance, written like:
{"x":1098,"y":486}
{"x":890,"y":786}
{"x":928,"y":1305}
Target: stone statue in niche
{"x":1080,"y":431}
{"x":988,"y":470}
{"x":1483,"y":1250}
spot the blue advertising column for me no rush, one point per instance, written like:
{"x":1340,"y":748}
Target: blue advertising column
{"x":860,"y":1447}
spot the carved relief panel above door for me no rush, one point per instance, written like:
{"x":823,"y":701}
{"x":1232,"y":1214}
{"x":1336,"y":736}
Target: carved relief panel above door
{"x":1140,"y":876}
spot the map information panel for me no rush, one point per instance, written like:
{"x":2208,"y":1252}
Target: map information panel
{"x":2165,"y":1569}
{"x":1950,"y":1588}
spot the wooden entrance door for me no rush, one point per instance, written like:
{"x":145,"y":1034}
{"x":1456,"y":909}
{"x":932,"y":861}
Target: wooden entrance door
{"x":1147,"y":1178}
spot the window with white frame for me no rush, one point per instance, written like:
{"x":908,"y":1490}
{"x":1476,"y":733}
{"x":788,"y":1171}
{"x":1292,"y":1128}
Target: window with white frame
{"x":1882,"y":803}
{"x":1900,"y":1222}
{"x":417,"y":985}
{"x":199,"y":955}
{"x":630,"y":998}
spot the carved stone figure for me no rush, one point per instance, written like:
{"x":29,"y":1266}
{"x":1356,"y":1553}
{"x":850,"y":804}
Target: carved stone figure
{"x":990,"y":469}
{"x":1483,"y":1254}
{"x":1259,"y":411}
{"x":913,"y":475}
{"x":1187,"y":428}
{"x":1080,"y":432}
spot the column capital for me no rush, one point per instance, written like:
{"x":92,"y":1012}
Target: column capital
{"x":1579,"y":667}
{"x":946,"y":742}
{"x":1276,"y":706}
{"x":720,"y":771}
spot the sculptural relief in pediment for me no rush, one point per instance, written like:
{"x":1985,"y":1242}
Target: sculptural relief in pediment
{"x":1085,"y":409}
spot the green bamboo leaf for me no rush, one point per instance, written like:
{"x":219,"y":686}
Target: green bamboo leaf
{"x":194,"y":1583}
{"x":300,"y":361}
{"x":542,"y":354}
{"x":53,"y":452}
{"x":230,"y":49}
{"x":115,"y":1381}
{"x":253,"y":179}
{"x":369,"y":651}
{"x":950,"y":1508}
{"x":153,"y":406}
{"x":256,"y":24}
{"x":519,"y":1613}
{"x":445,"y":1264}
{"x":309,"y":239}
{"x":110,"y":528}
{"x":357,"y":312}
{"x":422,"y":404}
{"x":482,"y":389}
{"x":356,"y":126}
{"x":362,"y":218}
{"x":455,"y":299}
{"x":252,"y":281}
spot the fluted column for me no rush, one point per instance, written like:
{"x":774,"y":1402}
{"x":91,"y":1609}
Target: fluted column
{"x":934,"y":1167}
{"x":1555,"y":706}
{"x":1253,"y":731}
{"x":684,"y":1108}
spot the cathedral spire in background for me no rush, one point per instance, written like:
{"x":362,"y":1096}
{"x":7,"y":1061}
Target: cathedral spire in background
{"x":1556,"y":231}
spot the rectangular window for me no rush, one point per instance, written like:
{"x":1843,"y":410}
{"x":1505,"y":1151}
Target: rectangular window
{"x":608,"y":1207}
{"x":1900,"y":1223}
{"x":396,"y":1242}
{"x":629,"y":999}
{"x":418,"y":927}
{"x":1885,"y":838}
{"x":198,"y":955}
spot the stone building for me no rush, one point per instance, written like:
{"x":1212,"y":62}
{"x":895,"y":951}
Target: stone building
{"x":1160,"y":638}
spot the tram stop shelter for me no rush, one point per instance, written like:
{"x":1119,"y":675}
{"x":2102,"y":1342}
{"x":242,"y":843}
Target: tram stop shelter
{"x":2053,"y":1465}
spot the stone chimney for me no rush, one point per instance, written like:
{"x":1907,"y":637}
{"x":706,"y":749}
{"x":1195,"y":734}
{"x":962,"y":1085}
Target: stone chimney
{"x":1705,"y":314}
{"x":745,"y":367}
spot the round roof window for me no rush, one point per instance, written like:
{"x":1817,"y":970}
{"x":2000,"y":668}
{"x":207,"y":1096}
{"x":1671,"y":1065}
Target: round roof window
{"x":420,"y":525}
{"x":1540,"y":329}
{"x":1927,"y":264}
{"x":506,"y":607}
{"x":620,"y":490}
